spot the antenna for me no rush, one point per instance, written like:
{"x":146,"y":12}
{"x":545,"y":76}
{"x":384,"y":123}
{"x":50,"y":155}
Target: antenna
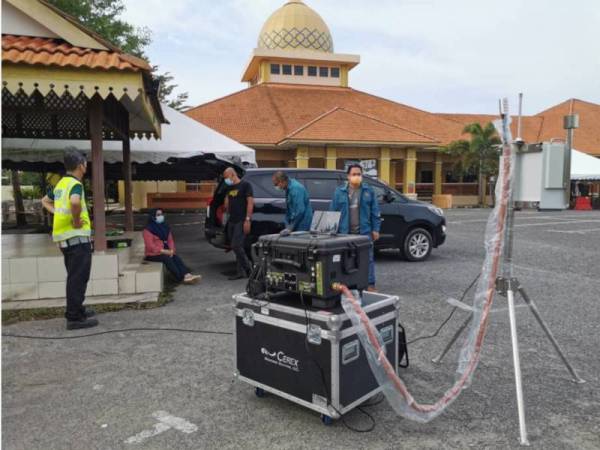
{"x":519,"y":138}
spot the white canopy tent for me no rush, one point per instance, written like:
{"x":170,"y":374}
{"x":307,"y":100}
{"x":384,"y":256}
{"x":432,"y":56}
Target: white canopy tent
{"x":584,"y":167}
{"x":182,"y":137}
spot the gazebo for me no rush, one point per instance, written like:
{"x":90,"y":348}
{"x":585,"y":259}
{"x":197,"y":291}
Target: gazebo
{"x":62,"y":81}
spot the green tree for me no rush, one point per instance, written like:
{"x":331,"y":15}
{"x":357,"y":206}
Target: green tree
{"x":479,"y":155}
{"x":103,"y":17}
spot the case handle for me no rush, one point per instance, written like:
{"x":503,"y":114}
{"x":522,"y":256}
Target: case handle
{"x":286,"y":262}
{"x":356,"y":261}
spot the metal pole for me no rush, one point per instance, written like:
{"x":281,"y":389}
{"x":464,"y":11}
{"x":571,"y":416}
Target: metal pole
{"x":519,"y":138}
{"x":508,"y":270}
{"x":127,"y":185}
{"x":517,"y":366}
{"x":95,"y":116}
{"x":567,"y":163}
{"x":549,"y":335}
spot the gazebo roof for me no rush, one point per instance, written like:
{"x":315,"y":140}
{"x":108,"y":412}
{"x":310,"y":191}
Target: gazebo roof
{"x":52,"y":67}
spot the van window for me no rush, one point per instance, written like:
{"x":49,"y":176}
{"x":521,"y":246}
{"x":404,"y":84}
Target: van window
{"x":321,"y":188}
{"x":262,"y":184}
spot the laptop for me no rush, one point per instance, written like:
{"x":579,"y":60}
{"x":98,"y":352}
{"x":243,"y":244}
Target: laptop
{"x":325,"y":222}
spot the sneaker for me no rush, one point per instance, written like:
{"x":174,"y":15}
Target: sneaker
{"x":81,"y":323}
{"x":192,"y":279}
{"x":371,"y":289}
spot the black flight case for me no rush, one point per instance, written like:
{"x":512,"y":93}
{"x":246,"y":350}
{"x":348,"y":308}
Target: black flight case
{"x":309,"y":263}
{"x":312,"y":357}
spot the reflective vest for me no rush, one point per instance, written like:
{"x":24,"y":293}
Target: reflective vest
{"x":63,"y":228}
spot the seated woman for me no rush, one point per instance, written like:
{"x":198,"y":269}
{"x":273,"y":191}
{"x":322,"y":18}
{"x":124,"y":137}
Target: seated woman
{"x":160,"y":247}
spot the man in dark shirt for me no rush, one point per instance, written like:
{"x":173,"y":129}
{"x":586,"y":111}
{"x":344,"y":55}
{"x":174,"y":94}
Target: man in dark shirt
{"x":239,"y":204}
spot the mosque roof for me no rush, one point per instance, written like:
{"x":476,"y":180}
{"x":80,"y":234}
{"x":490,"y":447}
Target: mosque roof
{"x":295,"y":26}
{"x":271,"y":113}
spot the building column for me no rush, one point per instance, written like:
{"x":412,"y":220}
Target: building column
{"x":302,"y":157}
{"x":95,"y":123}
{"x":410,"y":171}
{"x":265,"y":70}
{"x":384,"y":165}
{"x":437,"y":174}
{"x":330,"y":158}
{"x":344,"y":76}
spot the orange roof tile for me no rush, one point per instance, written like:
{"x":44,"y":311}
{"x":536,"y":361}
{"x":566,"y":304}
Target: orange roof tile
{"x":548,"y":124}
{"x":343,"y":125}
{"x":57,"y":52}
{"x":267,"y":113}
{"x":586,"y":138}
{"x":530,"y":125}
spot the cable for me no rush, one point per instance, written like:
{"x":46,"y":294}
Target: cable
{"x":447,"y":319}
{"x":123,"y":330}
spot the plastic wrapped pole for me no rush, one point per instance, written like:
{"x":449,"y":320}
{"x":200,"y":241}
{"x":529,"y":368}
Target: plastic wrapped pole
{"x":392,"y":385}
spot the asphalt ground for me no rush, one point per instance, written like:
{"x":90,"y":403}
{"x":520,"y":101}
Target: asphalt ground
{"x":173,"y":390}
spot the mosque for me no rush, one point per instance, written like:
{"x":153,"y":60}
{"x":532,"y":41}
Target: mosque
{"x":299,"y":110}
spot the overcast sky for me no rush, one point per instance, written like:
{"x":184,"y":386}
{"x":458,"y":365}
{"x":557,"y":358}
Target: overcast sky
{"x":438,"y":55}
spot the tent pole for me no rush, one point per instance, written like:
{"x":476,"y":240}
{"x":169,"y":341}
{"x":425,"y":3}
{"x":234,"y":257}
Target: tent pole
{"x":95,"y":118}
{"x":128,"y":184}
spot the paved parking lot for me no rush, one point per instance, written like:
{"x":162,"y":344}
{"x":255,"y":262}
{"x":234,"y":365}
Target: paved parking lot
{"x":176,"y":390}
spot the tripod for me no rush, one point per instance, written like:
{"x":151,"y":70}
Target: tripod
{"x":508,"y":285}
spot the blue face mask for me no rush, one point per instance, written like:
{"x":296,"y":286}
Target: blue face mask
{"x":160,"y":219}
{"x":228,"y":181}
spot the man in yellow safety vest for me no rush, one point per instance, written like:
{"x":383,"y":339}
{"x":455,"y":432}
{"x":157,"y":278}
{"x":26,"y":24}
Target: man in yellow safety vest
{"x":72,"y":231}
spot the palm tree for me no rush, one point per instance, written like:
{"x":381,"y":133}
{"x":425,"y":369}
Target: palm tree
{"x":478,"y":155}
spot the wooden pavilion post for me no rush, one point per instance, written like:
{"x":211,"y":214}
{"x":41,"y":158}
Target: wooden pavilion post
{"x":95,"y":120}
{"x":128,"y":201}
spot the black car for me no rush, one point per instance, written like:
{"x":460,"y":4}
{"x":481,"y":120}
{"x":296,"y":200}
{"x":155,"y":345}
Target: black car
{"x":411,"y":226}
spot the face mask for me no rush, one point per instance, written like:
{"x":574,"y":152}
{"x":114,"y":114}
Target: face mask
{"x":279,"y":188}
{"x":355,"y":179}
{"x":228,"y":181}
{"x":160,"y":219}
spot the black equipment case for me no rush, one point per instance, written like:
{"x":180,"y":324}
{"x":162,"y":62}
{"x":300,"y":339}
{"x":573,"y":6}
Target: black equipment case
{"x":309,"y":263}
{"x":312,"y":357}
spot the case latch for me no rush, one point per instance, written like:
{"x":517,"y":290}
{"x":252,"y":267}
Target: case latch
{"x":248,"y":317}
{"x":314,"y":334}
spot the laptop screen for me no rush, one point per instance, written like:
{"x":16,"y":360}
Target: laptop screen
{"x":325,"y":221}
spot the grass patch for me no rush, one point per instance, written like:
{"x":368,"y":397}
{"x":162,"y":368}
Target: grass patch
{"x":25,"y":315}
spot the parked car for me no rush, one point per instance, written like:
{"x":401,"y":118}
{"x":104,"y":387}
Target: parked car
{"x":411,"y":226}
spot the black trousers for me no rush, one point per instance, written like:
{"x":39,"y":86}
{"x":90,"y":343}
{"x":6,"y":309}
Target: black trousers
{"x":174,"y":264}
{"x":78,"y":262}
{"x":237,"y":238}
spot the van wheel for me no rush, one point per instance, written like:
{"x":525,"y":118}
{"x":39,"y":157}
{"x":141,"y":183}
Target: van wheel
{"x":417,"y":245}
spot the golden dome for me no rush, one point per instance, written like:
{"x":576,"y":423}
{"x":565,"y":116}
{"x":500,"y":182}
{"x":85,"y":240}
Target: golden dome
{"x":295,"y":26}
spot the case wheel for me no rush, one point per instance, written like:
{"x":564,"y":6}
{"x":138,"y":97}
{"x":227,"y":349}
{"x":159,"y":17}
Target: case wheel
{"x":326,"y":420}
{"x":260,"y":392}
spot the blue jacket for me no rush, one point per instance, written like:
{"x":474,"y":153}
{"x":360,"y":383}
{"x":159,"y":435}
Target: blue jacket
{"x":370,"y":217}
{"x":299,"y":213}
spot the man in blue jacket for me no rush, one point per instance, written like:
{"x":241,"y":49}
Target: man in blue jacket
{"x":298,"y":215}
{"x":357,"y":203}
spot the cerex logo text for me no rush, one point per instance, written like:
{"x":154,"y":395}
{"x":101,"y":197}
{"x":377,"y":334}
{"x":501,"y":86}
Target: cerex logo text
{"x":281,"y":359}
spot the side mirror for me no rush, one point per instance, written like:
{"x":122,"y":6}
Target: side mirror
{"x":389,"y":197}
